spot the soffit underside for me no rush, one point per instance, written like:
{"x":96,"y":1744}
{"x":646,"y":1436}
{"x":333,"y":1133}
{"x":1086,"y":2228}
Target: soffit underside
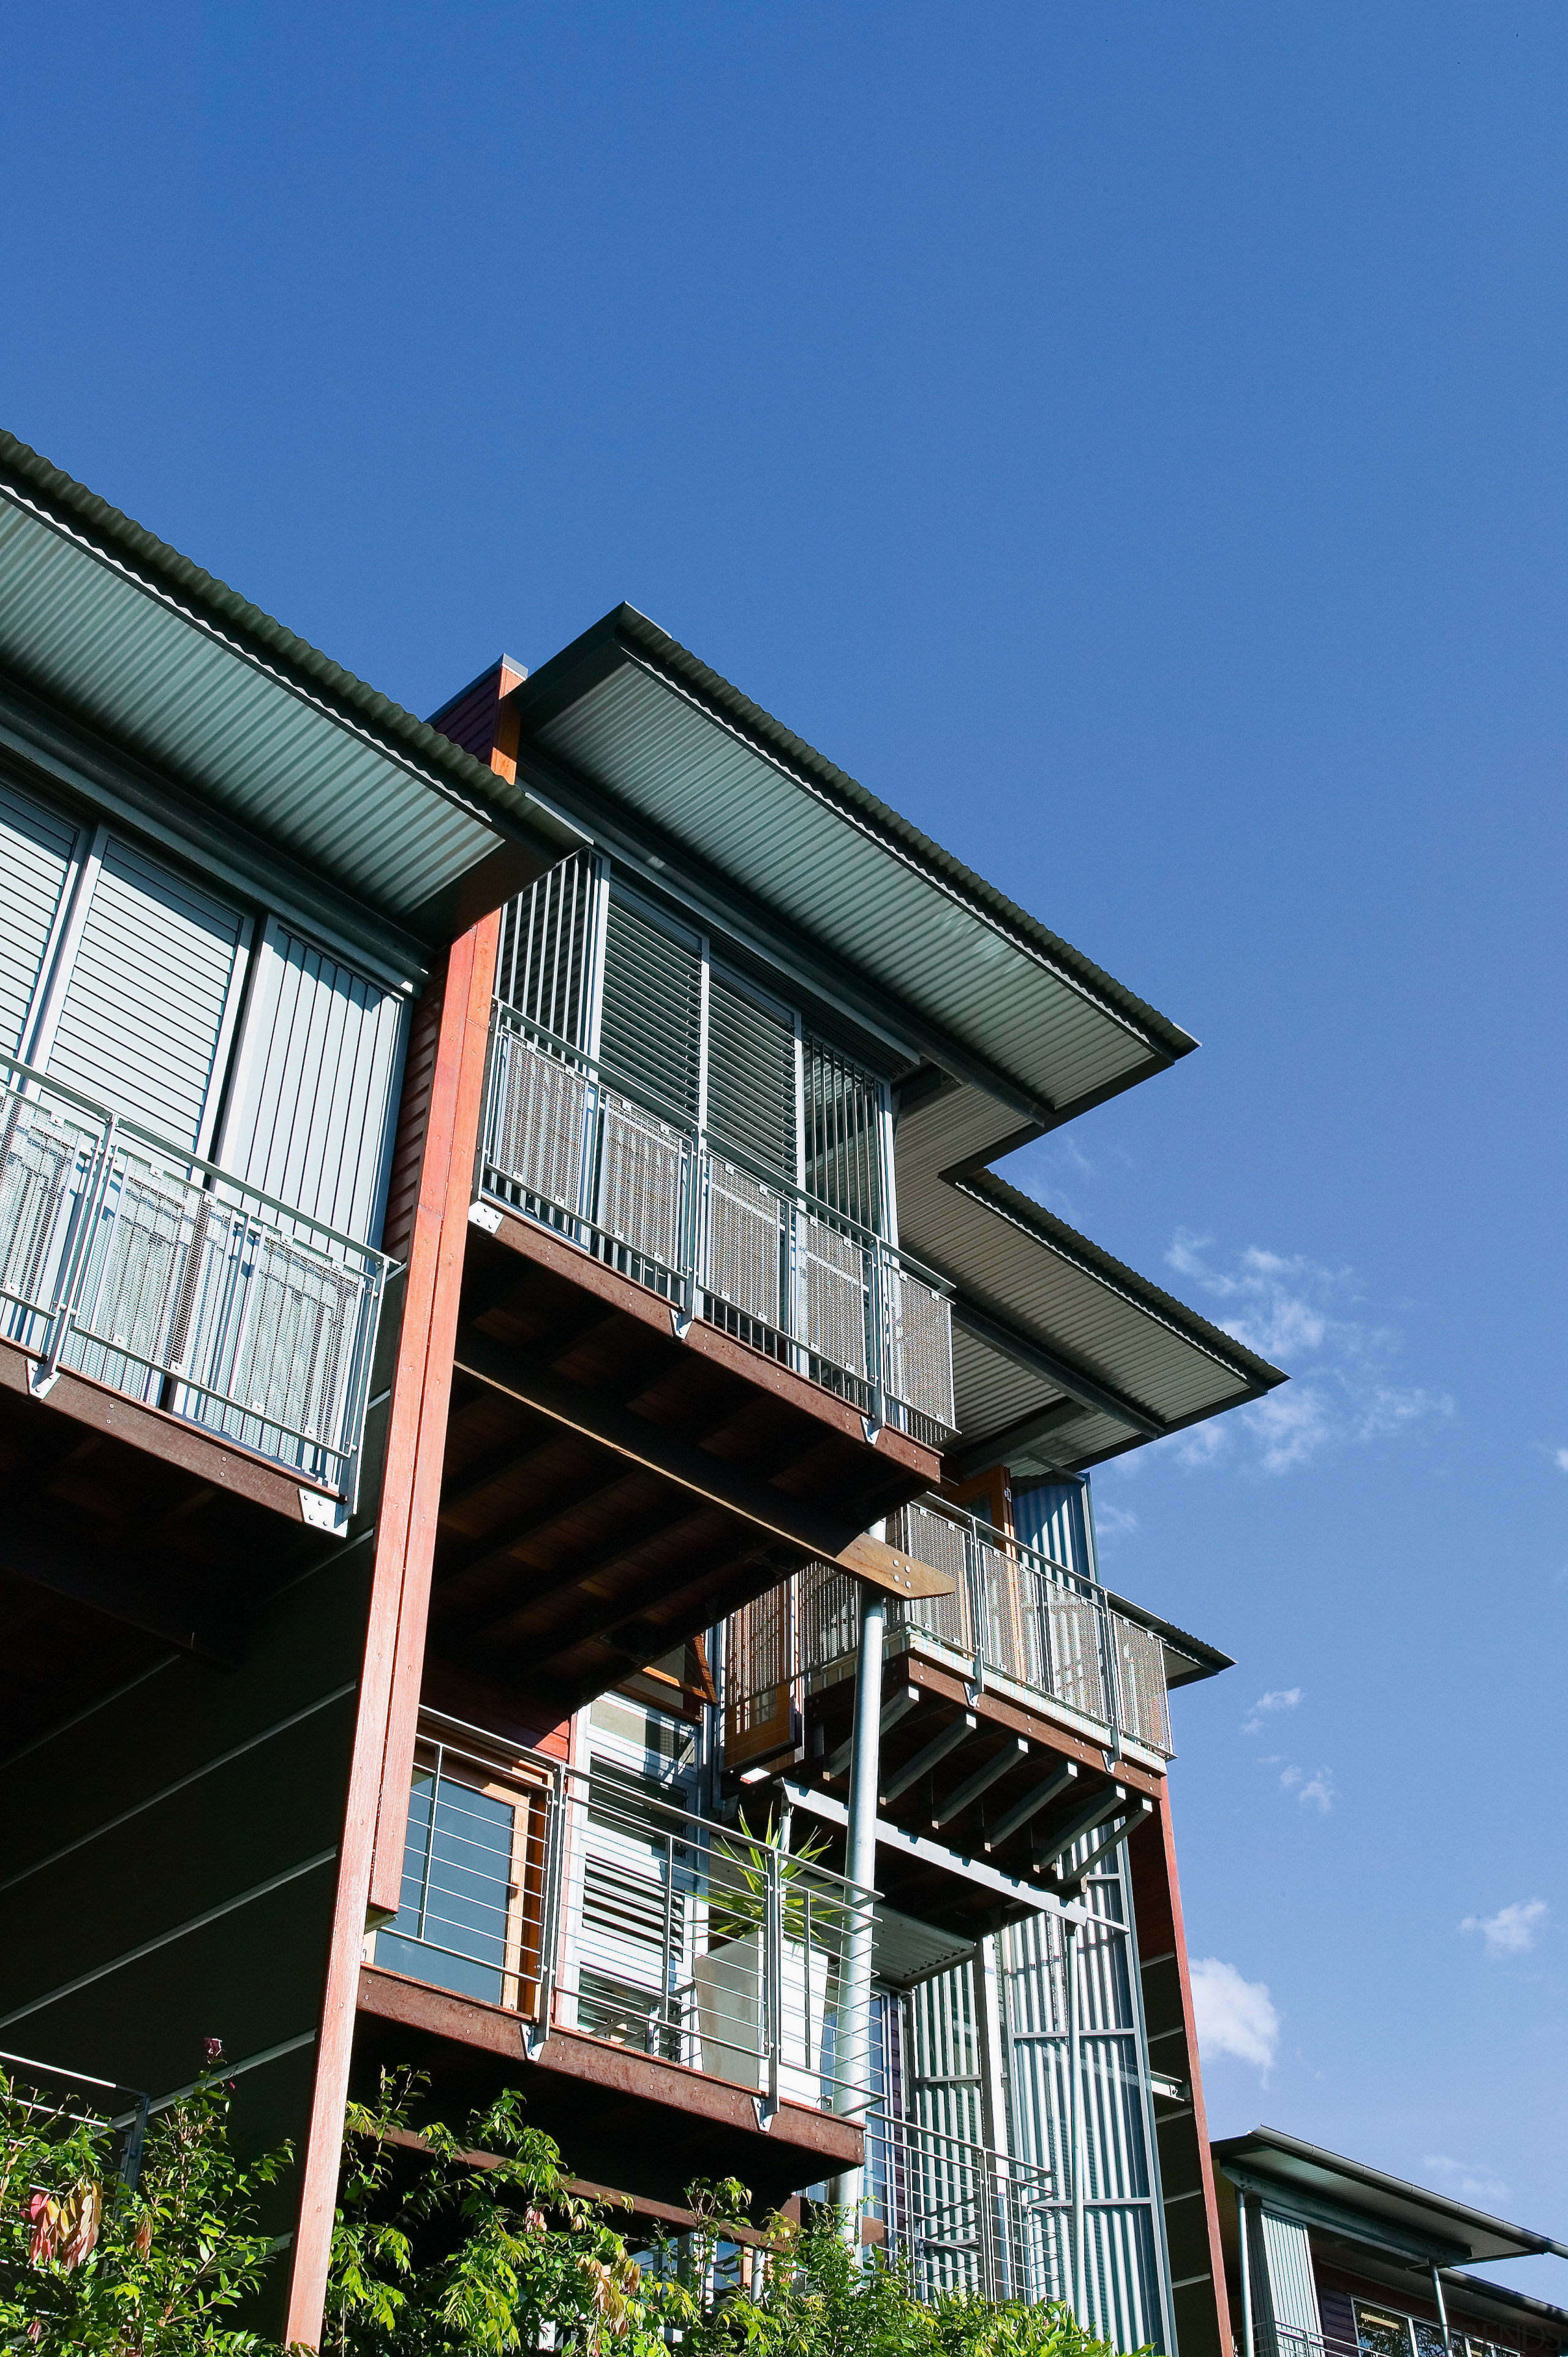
{"x":636,"y":737}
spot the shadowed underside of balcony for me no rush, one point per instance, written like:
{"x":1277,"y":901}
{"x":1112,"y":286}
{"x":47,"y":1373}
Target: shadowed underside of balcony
{"x":127,"y":1533}
{"x":611,"y":1488}
{"x":966,"y":1778}
{"x":620,"y":2117}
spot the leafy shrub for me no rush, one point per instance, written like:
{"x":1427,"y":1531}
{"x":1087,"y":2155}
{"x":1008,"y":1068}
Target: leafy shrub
{"x":88,"y":2263}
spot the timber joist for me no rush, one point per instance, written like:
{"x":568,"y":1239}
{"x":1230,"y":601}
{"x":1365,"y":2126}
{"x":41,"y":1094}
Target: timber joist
{"x":610,"y":1488}
{"x":989,"y":1783}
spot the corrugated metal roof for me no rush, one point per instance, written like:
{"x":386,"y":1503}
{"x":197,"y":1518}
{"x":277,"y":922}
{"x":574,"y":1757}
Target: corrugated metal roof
{"x":633,"y":713}
{"x":132,"y":638}
{"x":1307,"y":2169}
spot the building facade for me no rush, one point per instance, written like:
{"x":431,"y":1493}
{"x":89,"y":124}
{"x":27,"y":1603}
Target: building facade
{"x":550,"y":1528}
{"x":1325,"y":2257}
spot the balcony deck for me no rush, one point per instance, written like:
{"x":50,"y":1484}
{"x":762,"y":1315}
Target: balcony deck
{"x":611,"y":1488}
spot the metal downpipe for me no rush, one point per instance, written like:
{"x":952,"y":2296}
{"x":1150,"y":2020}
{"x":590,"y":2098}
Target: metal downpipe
{"x":853,"y":2067}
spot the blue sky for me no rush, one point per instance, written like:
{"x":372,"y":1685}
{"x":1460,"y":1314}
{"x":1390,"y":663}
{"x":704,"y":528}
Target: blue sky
{"x":1133,"y":441}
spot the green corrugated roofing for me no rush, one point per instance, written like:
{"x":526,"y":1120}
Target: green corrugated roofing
{"x":634,"y":714}
{"x":103,"y":618}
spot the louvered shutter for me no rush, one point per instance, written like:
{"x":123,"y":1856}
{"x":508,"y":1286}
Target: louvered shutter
{"x":751,"y":1079}
{"x":35,"y":860}
{"x":144,"y":1001}
{"x":545,"y":957}
{"x":843,"y":1135}
{"x":650,"y":1025}
{"x":319,"y":1063}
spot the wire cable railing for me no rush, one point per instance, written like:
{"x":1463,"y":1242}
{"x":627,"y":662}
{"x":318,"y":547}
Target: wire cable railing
{"x":132,"y":1261}
{"x":586,"y":1900}
{"x":568,"y":1142}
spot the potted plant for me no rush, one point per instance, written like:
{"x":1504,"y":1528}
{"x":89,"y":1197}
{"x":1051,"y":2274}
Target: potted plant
{"x":731,"y":2002}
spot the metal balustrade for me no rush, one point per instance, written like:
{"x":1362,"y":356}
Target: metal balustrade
{"x":585,"y":1901}
{"x":132,"y":1261}
{"x":567,"y":1143}
{"x":964,"y":2217}
{"x":1014,"y":1614}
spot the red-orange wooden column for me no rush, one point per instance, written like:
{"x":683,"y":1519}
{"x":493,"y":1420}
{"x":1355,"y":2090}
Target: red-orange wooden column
{"x":1156,"y":1900}
{"x":405,"y":1538}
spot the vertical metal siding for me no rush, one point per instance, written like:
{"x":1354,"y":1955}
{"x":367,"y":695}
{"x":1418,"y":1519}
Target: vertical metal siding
{"x":145,"y":1002}
{"x":35,"y":859}
{"x":1282,"y":2268}
{"x":318,"y":1066}
{"x":1049,"y":1516}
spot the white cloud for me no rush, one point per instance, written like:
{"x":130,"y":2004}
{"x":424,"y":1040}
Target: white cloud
{"x":1512,"y":1931}
{"x":1560,"y":1459}
{"x":1317,"y":1790}
{"x":1112,"y":1521}
{"x":1277,"y":1699}
{"x":1460,"y":2178}
{"x":1234,"y":2016}
{"x":1300,"y":1314}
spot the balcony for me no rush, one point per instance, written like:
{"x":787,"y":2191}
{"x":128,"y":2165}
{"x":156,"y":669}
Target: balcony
{"x":644,"y":1957}
{"x":132,"y":1263}
{"x":1017,"y":1625}
{"x":569,"y":1144}
{"x":1025,"y":1720}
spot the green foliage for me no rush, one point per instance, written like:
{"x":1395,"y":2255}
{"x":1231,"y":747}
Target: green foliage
{"x":445,"y":2245}
{"x":813,"y":2294}
{"x":88,"y":2265}
{"x":472,"y":2243}
{"x":738,"y":1892}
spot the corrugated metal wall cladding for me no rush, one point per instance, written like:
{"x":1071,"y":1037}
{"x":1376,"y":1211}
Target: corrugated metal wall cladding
{"x":144,"y":1003}
{"x":1280,"y":2254}
{"x":312,"y":1127}
{"x":104,"y":648}
{"x":35,"y":852}
{"x":808,"y":859}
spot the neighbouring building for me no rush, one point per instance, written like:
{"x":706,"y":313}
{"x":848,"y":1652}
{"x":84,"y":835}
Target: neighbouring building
{"x":1325,"y":2257}
{"x":548,"y":1524}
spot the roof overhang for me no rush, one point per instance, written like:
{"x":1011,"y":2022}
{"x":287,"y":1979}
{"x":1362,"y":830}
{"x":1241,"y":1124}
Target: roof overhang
{"x":667,"y":761}
{"x":1063,"y":1356}
{"x":1349,"y":2201}
{"x":130,"y":640}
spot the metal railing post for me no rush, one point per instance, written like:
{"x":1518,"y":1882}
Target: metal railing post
{"x":851,"y":2051}
{"x":773,"y":1966}
{"x":666,"y":1951}
{"x":79,"y":1252}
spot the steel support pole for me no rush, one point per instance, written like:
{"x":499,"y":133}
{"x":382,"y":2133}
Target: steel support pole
{"x":1075,"y":2116}
{"x":853,"y":2052}
{"x":1246,"y":2276}
{"x":1442,"y":2306}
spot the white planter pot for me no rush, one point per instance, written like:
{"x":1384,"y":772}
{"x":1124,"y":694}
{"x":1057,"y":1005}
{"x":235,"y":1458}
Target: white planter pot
{"x":729,"y":2016}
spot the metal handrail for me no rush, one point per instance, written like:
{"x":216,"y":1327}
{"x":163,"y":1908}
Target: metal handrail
{"x":582,"y":1901}
{"x":619,"y":1170}
{"x":964,"y":2216}
{"x":134,"y":1260}
{"x":1013,"y":1614}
